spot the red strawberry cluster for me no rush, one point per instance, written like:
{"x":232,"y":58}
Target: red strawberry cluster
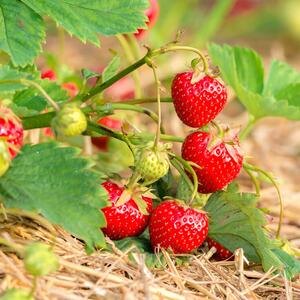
{"x":173,"y":224}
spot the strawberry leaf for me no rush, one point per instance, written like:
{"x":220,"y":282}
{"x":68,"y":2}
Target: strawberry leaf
{"x":55,"y":182}
{"x":280,"y":76}
{"x":112,"y":68}
{"x":7,"y":78}
{"x":142,"y":245}
{"x":235,"y":222}
{"x":85,"y":19}
{"x":33,"y":100}
{"x":292,"y":265}
{"x":242,"y":69}
{"x":22,"y":31}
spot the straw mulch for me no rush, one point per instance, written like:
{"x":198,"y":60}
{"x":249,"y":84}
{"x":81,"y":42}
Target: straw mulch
{"x":106,"y":275}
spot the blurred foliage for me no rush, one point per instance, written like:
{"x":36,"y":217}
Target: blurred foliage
{"x":214,"y":20}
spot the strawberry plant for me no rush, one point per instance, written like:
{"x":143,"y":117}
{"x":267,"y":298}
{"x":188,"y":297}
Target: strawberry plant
{"x":184,"y":198}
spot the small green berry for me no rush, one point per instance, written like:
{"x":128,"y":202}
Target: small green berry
{"x":70,"y":120}
{"x":152,"y":163}
{"x":4,"y":157}
{"x":16,"y":294}
{"x":40,"y":260}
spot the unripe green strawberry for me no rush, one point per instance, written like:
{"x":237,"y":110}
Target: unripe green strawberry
{"x":152,"y":163}
{"x":16,"y":294}
{"x":4,"y":157}
{"x":40,"y":260}
{"x":70,"y":120}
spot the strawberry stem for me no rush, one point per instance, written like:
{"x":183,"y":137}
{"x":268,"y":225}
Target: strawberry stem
{"x":270,"y":177}
{"x":186,"y":178}
{"x":254,"y":181}
{"x":185,"y":48}
{"x":157,"y":84}
{"x":191,"y":170}
{"x":135,"y":177}
{"x":130,"y":107}
{"x":247,"y":129}
{"x":218,"y":127}
{"x":130,"y":58}
{"x":132,"y":41}
{"x":146,"y":100}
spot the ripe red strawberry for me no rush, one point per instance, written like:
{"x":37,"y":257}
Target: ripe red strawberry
{"x":71,"y":88}
{"x":198,"y":103}
{"x":220,"y":159}
{"x":173,"y":225}
{"x":152,"y":13}
{"x":102,"y":141}
{"x":222,"y":253}
{"x":50,"y":74}
{"x":125,"y":220}
{"x":11,"y":129}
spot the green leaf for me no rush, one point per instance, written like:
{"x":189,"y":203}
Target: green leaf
{"x":112,"y":68}
{"x":291,"y":94}
{"x":33,"y":100}
{"x":116,"y":159}
{"x":87,"y":74}
{"x":292,"y":265}
{"x":85,"y":19}
{"x":21,"y":31}
{"x":280,"y":76}
{"x":270,"y":106}
{"x":242,"y":69}
{"x":8,"y":74}
{"x":142,"y":244}
{"x":55,"y":182}
{"x":235,"y":222}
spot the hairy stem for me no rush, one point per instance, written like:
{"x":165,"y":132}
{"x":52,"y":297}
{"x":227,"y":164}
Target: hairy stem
{"x":150,"y":54}
{"x":182,"y":173}
{"x":144,"y":110}
{"x":190,"y":169}
{"x":254,"y":181}
{"x":247,"y":129}
{"x":130,"y":58}
{"x":100,"y":88}
{"x":185,"y":48}
{"x":134,"y":45}
{"x":270,"y":177}
{"x":157,"y":85}
{"x":146,"y":100}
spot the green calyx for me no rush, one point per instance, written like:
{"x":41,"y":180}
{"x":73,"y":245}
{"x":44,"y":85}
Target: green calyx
{"x":4,"y":157}
{"x":40,"y":260}
{"x":16,"y":294}
{"x":152,"y":163}
{"x":70,"y":120}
